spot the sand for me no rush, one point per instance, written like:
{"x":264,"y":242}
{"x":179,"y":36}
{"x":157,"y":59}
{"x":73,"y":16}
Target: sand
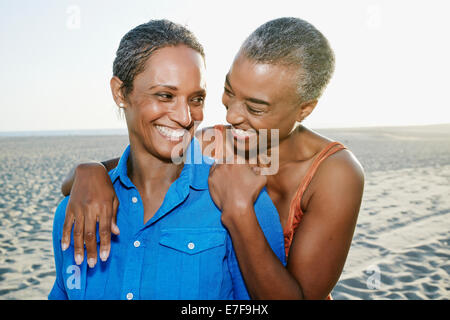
{"x":400,"y":248}
{"x":31,"y":171}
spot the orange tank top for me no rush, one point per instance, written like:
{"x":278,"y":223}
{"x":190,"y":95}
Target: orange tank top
{"x":295,"y":209}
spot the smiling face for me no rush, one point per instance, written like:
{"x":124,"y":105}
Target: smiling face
{"x":262,"y":96}
{"x":166,"y":99}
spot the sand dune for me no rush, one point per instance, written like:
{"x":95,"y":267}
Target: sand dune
{"x":400,"y":248}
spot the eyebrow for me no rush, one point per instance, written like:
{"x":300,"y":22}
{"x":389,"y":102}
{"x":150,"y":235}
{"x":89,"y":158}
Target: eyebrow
{"x":202,"y":91}
{"x":164,"y":85}
{"x":254,"y":100}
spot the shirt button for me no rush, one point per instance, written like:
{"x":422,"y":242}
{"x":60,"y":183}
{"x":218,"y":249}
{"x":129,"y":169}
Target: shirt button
{"x":136,"y":244}
{"x":134,"y":200}
{"x":191,"y":245}
{"x":129,"y":296}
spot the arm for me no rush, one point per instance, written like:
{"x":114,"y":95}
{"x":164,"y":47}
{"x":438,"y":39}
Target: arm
{"x":319,"y":249}
{"x":92,"y":199}
{"x":68,"y":181}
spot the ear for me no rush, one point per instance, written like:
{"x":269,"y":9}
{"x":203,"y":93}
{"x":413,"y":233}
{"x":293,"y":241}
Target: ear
{"x":305,"y":110}
{"x":116,"y":90}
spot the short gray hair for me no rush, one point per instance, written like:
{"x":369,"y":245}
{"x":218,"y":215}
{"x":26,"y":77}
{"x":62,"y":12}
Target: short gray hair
{"x":295,"y":43}
{"x":141,"y":42}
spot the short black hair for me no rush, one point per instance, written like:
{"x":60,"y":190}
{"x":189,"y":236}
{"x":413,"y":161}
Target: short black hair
{"x":139,"y":43}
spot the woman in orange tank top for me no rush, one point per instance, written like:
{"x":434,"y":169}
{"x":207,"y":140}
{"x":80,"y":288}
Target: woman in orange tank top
{"x":317,"y":189}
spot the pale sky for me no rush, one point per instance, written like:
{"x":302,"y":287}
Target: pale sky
{"x":392,"y":57}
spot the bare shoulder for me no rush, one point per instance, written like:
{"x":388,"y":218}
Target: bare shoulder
{"x":343,"y":166}
{"x":339,"y":180}
{"x":335,"y":193}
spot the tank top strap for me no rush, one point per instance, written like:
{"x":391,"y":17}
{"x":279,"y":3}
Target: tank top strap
{"x":329,"y":150}
{"x":295,"y":210}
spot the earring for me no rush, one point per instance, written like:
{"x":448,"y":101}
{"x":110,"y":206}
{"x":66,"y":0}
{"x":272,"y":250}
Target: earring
{"x":121,"y":105}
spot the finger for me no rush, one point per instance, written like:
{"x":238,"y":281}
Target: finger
{"x":213,"y":167}
{"x":78,"y":242}
{"x":67,"y":228}
{"x":114,"y":227}
{"x":90,"y":239}
{"x":105,"y":233}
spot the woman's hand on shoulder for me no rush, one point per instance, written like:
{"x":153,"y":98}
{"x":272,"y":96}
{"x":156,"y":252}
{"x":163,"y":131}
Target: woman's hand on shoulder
{"x":93,"y":199}
{"x":234,"y":188}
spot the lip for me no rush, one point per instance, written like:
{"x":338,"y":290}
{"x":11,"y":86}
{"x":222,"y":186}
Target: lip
{"x":171,"y":138}
{"x":239,"y":136}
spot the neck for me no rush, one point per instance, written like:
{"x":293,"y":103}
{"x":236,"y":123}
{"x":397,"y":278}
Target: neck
{"x":286,"y":149}
{"x":149,"y":173}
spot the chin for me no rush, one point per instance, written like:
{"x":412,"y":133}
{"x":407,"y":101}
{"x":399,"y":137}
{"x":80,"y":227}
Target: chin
{"x":245,"y":148}
{"x":176,"y":152}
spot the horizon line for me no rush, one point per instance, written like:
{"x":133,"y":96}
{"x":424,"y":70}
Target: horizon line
{"x":123,"y":131}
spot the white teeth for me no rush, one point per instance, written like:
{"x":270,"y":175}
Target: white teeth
{"x":243,"y":133}
{"x":172,"y":134}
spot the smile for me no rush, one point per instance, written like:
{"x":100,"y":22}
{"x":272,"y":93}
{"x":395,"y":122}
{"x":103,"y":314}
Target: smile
{"x":242,"y":134}
{"x":171,"y":134}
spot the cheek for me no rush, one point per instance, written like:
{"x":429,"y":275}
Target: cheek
{"x":283,"y":126}
{"x":149,"y":110}
{"x":197,"y":114}
{"x":139,"y":115}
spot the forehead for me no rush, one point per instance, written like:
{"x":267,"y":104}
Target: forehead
{"x":263,"y":81}
{"x":179,"y":66}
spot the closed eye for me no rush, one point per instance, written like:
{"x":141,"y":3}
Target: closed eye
{"x":253,"y":110}
{"x":228,"y":92}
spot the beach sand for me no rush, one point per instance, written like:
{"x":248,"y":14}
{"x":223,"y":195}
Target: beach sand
{"x":400,"y":248}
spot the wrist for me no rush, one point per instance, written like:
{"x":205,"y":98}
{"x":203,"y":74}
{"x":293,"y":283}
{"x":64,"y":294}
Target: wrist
{"x":237,"y":214}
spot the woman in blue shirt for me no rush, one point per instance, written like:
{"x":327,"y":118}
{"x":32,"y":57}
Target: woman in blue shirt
{"x":172,"y":244}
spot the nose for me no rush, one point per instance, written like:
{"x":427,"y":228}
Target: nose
{"x":234,"y":114}
{"x":182,"y":113}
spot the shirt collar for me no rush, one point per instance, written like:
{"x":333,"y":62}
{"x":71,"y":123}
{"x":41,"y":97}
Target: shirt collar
{"x":198,"y":165}
{"x":195,"y":171}
{"x":120,"y":172}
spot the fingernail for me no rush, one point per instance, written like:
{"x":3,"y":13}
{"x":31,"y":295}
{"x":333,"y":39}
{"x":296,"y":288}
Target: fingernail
{"x":104,"y":255}
{"x":78,"y":259}
{"x":91,"y":262}
{"x":64,"y":246}
{"x":116,"y":229}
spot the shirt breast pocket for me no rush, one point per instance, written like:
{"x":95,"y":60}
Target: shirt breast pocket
{"x":190,"y":263}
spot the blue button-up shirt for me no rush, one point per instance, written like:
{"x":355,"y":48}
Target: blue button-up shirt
{"x":182,"y":252}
